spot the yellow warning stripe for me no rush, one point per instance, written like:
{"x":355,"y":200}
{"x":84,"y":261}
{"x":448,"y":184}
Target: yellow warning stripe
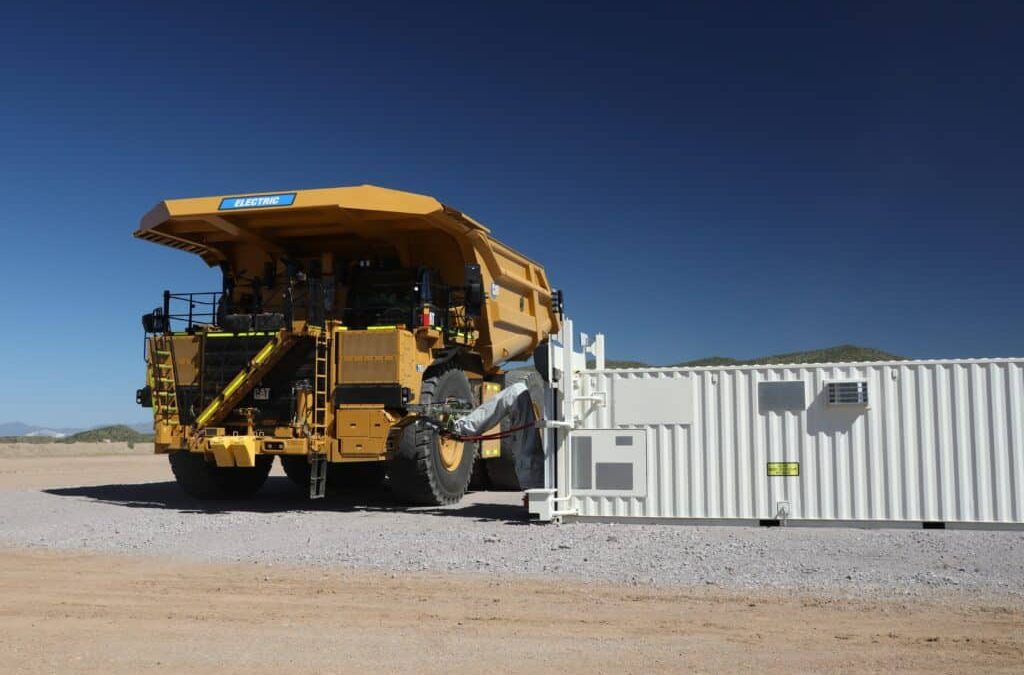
{"x":210,"y":409}
{"x":249,"y":334}
{"x":264,"y":353}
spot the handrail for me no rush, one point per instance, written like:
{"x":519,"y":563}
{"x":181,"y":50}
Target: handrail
{"x":200,"y":309}
{"x":188,"y":312}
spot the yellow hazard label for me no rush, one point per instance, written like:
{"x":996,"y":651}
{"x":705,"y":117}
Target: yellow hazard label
{"x":783,"y":468}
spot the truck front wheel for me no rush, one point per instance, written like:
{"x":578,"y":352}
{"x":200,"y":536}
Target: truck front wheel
{"x":206,"y":480}
{"x":427,"y":469}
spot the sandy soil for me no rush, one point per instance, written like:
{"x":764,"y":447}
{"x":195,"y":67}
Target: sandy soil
{"x":87,"y":612}
{"x":73,"y":449}
{"x":97,"y":614}
{"x":30,"y":465}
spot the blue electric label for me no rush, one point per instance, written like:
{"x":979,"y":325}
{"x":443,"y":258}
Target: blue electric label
{"x":256,"y":201}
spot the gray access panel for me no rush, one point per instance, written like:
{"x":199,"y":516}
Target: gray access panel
{"x":608,"y":462}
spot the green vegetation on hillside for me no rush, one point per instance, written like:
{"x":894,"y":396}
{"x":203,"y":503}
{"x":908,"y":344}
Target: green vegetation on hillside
{"x":715,"y":361}
{"x":625,"y":364}
{"x":115,"y":433}
{"x":838,"y":354}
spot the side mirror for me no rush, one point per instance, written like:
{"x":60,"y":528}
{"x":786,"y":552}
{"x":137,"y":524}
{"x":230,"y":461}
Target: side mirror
{"x":474,"y":291}
{"x":154,"y":322}
{"x":144,"y":396}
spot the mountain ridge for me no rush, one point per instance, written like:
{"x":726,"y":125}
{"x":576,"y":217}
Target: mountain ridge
{"x":845,"y":353}
{"x":21,"y":429}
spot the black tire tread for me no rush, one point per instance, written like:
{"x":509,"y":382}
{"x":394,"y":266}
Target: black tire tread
{"x":501,"y":470}
{"x":296,"y":467}
{"x":478,"y":478}
{"x":414,"y":476}
{"x":205,"y":480}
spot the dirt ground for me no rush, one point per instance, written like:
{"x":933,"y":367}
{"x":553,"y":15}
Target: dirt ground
{"x":57,"y":449}
{"x":81,"y":612}
{"x":21,"y":470}
{"x":86,"y":612}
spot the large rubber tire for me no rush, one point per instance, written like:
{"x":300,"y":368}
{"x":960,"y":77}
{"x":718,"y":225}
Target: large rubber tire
{"x":521,"y":458}
{"x":340,"y":476}
{"x":540,"y":360}
{"x":296,"y":467}
{"x":478,"y":478}
{"x":418,"y":474}
{"x":206,"y":480}
{"x":356,"y":475}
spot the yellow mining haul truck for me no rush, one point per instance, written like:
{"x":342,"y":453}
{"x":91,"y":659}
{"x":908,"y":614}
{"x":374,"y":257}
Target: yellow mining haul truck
{"x":343,"y":314}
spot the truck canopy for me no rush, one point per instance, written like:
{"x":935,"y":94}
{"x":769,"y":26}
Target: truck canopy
{"x":297,"y":220}
{"x":248,"y":233}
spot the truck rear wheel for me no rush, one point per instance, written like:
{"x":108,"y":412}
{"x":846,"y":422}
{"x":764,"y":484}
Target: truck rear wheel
{"x":296,"y":467}
{"x":521,"y":462}
{"x":206,"y":480}
{"x":356,"y":475}
{"x":340,"y":476}
{"x":427,"y":469}
{"x":478,"y":478}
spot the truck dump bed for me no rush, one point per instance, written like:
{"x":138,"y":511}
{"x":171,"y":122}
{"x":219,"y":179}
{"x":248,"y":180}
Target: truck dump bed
{"x":256,"y":232}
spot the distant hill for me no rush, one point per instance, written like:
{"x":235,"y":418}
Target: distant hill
{"x":22,"y":429}
{"x":837,"y":354}
{"x":116,"y":433}
{"x":716,"y":361}
{"x":609,"y":363}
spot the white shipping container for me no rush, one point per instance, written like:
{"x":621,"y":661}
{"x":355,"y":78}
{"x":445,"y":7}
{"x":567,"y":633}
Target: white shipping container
{"x":924,"y":441}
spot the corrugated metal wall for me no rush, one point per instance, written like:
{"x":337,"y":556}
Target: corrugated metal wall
{"x":938,"y":441}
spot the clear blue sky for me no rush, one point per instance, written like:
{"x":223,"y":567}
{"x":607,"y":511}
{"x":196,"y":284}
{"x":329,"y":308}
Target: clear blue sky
{"x":700,"y":179}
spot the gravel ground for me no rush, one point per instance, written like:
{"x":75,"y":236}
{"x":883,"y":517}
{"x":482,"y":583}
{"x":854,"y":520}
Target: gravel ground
{"x":58,"y":449}
{"x":487,"y":534}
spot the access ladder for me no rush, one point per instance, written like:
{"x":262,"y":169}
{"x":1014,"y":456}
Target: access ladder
{"x":164,"y":389}
{"x":318,"y":425}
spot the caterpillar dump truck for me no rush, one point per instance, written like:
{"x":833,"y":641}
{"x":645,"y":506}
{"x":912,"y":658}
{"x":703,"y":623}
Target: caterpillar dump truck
{"x":347,"y":319}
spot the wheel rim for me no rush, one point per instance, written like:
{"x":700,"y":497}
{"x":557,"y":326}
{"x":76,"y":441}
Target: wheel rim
{"x":451,"y":453}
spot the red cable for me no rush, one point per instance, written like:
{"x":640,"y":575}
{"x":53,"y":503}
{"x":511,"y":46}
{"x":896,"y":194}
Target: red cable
{"x":493,"y":437}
